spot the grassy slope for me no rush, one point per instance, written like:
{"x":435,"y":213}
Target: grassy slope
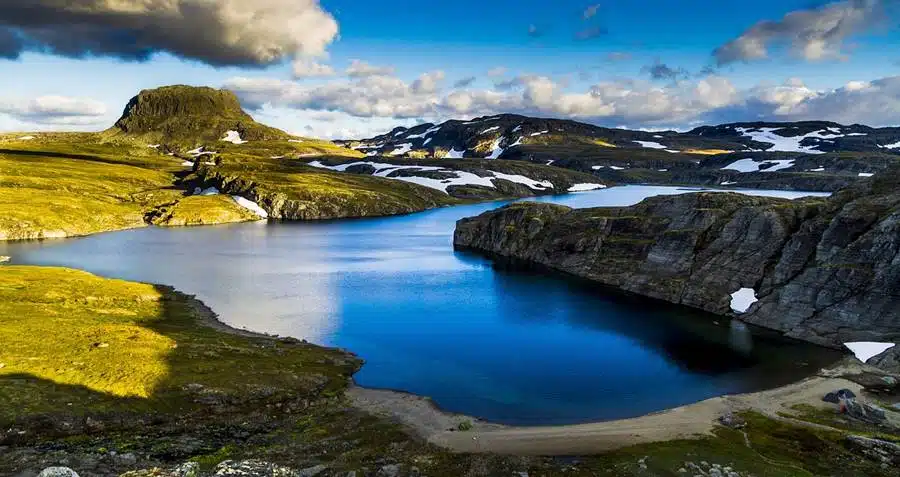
{"x":124,"y":354}
{"x":202,"y":210}
{"x":70,"y":184}
{"x":325,"y":194}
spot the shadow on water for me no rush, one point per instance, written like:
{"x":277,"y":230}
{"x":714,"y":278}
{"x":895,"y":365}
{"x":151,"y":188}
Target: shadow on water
{"x":693,"y":340}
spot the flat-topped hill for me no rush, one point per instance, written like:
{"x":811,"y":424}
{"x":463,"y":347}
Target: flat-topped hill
{"x":189,"y":114}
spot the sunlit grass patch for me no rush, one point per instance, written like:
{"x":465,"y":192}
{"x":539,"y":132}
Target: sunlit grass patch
{"x":707,"y":152}
{"x":73,"y":328}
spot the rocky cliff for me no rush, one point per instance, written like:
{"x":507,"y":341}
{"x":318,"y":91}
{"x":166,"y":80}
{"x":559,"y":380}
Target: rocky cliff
{"x":824,"y":270}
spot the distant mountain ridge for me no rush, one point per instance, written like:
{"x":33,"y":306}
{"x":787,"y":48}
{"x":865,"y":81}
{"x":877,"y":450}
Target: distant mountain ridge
{"x":512,"y":136}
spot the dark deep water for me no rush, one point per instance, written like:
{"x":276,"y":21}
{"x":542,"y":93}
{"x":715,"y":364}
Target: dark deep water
{"x":512,"y":346}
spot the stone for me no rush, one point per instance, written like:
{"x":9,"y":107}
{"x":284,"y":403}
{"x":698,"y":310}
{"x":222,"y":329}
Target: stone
{"x":888,"y":453}
{"x":252,"y":468}
{"x":58,"y":472}
{"x":863,"y":411}
{"x":732,"y":421}
{"x":836,"y":396}
{"x":392,"y":470}
{"x":188,"y":469}
{"x":126,"y":459}
{"x":312,"y":471}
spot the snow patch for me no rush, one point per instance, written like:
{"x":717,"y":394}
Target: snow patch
{"x":742,"y":299}
{"x":496,"y":150}
{"x":462,"y":177}
{"x":251,"y":206}
{"x":582,"y":187}
{"x":518,"y":141}
{"x":429,"y":131}
{"x":200,"y":152}
{"x":818,"y":169}
{"x":865,"y":350}
{"x":492,"y":128}
{"x":151,"y":146}
{"x":539,"y":133}
{"x":29,"y":138}
{"x":517,"y":128}
{"x":651,"y":144}
{"x":779,"y":143}
{"x":895,"y":145}
{"x":426,"y":142}
{"x":454,"y":154}
{"x":295,"y":140}
{"x":540,"y":185}
{"x":751,"y":165}
{"x":663,"y":170}
{"x":551,"y":161}
{"x":188,"y":164}
{"x":402,"y":149}
{"x":233,"y":137}
{"x":866,"y":174}
{"x":728,"y":183}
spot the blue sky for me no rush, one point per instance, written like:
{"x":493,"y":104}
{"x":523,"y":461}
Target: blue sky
{"x":583,"y":60}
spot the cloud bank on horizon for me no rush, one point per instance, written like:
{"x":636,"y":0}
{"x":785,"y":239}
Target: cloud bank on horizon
{"x":359,"y":96}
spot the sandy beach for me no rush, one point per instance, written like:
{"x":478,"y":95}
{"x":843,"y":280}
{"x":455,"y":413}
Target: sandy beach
{"x":424,"y":418}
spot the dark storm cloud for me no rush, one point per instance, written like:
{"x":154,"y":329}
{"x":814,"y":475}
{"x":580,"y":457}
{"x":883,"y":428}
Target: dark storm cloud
{"x":217,"y":32}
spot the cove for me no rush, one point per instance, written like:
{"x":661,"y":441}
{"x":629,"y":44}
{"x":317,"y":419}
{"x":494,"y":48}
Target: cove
{"x":508,"y":345}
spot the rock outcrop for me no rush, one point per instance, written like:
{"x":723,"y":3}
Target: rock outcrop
{"x":823,"y":270}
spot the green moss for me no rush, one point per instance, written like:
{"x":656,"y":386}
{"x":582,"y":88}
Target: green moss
{"x":208,"y":462}
{"x":64,"y":185}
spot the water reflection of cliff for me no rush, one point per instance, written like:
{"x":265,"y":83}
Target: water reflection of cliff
{"x":694,"y":341}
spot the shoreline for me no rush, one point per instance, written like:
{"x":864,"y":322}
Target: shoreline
{"x":699,"y":188}
{"x":460,"y":433}
{"x":423,"y":418}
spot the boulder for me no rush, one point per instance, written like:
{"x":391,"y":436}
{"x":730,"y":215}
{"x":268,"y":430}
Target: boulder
{"x":253,"y":468}
{"x":863,"y":411}
{"x":58,"y":472}
{"x":836,"y":396}
{"x":888,"y":453}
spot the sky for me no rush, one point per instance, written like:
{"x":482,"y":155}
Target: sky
{"x":354,"y":68}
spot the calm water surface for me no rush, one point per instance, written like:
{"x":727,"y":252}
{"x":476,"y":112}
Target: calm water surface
{"x":510,"y":346}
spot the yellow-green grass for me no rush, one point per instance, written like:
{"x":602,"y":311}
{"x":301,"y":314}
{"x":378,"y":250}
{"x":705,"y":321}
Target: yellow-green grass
{"x":74,"y":339}
{"x":72,"y":186}
{"x":203,"y":210}
{"x":707,"y":152}
{"x":601,"y":142}
{"x":291,"y":149}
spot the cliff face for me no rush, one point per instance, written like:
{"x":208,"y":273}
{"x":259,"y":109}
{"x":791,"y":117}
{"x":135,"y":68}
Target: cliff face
{"x":824,"y":270}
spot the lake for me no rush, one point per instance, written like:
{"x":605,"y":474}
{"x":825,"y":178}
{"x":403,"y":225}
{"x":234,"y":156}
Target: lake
{"x":511,"y":346}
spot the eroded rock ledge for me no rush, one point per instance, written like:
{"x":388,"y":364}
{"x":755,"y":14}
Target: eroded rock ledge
{"x":824,"y":270}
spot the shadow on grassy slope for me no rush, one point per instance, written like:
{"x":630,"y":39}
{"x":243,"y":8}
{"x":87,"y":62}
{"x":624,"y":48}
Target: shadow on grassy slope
{"x":76,"y":345}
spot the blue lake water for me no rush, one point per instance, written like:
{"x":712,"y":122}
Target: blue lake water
{"x":511,"y":346}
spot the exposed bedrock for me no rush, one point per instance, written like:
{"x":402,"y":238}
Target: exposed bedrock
{"x":824,"y":270}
